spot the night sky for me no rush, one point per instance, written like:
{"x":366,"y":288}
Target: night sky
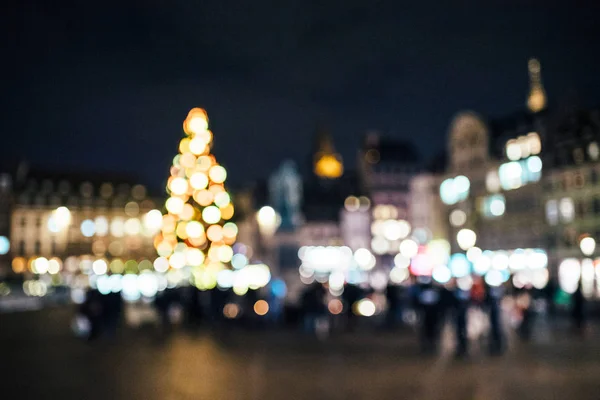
{"x":105,"y":85}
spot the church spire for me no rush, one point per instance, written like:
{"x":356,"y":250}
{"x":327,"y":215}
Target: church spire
{"x":327,"y":163}
{"x":537,"y":96}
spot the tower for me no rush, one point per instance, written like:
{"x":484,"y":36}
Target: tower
{"x":327,"y":163}
{"x":537,"y":96}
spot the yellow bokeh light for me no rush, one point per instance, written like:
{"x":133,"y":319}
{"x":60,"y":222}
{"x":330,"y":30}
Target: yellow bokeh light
{"x":225,"y":253}
{"x":227,"y":211}
{"x":188,"y":212}
{"x":18,"y":265}
{"x":216,"y":188}
{"x":174,"y":205}
{"x":164,"y":249}
{"x":197,"y":145}
{"x":214,"y":233}
{"x":203,"y":197}
{"x":184,"y":145}
{"x":196,"y":121}
{"x":187,"y":160}
{"x":199,"y":241}
{"x":199,"y":180}
{"x":211,"y":215}
{"x":178,"y":185}
{"x":181,"y":230}
{"x":177,"y":260}
{"x":217,"y":174}
{"x":204,"y":163}
{"x":168,"y":223}
{"x":329,"y":166}
{"x":213,"y":253}
{"x":194,"y":229}
{"x":222,"y":199}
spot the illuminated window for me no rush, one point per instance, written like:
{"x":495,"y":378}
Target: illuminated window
{"x":552,"y":212}
{"x":492,"y":182}
{"x":567,"y":209}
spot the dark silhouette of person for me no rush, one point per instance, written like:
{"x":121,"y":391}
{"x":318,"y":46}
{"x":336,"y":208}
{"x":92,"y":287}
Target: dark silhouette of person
{"x":92,"y":308}
{"x":550,"y":293}
{"x":493,"y":299}
{"x":112,"y":309}
{"x":351,"y":295}
{"x":524,"y":302}
{"x":429,"y":303}
{"x":393,"y":302}
{"x":458,"y":300}
{"x":578,"y":310}
{"x":313,"y":306}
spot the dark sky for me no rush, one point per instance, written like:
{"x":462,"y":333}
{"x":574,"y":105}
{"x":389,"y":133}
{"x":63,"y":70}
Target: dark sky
{"x":105,"y":85}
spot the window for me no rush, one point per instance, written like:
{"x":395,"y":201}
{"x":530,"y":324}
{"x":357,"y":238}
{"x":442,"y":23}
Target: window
{"x":53,"y":247}
{"x":567,"y":209}
{"x":582,"y":208}
{"x":38,"y":247}
{"x":38,"y":222}
{"x":552,"y":212}
{"x":593,"y":151}
{"x":22,"y":248}
{"x":23,"y":221}
{"x":594,"y":176}
{"x":597,"y":205}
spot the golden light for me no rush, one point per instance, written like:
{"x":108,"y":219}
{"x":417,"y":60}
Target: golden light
{"x":184,"y":145}
{"x":225,"y":253}
{"x":261,"y":307}
{"x":194,"y":229}
{"x":187,"y":160}
{"x":203,"y":197}
{"x":153,"y":221}
{"x":177,"y":260}
{"x":217,"y":174}
{"x":197,"y":146}
{"x":329,"y":166}
{"x":194,"y":257}
{"x":18,"y":265}
{"x":199,"y":180}
{"x":199,"y":241}
{"x":216,"y":188}
{"x":204,"y":163}
{"x":196,"y":121}
{"x":178,"y":186}
{"x":132,"y":226}
{"x":213,"y":253}
{"x":205,"y":135}
{"x":169,"y":223}
{"x":187,"y":213}
{"x":164,"y":249}
{"x":181,"y":230}
{"x":214,"y":233}
{"x":211,"y":215}
{"x":227,"y":211}
{"x":174,"y":205}
{"x":222,"y":199}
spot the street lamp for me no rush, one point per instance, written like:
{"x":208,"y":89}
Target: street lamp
{"x":587,"y":245}
{"x":268,"y":221}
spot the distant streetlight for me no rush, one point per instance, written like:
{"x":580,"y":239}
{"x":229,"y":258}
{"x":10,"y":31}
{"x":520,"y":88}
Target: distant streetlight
{"x":587,"y":245}
{"x":59,"y":219}
{"x":268,"y":220}
{"x":466,"y":239}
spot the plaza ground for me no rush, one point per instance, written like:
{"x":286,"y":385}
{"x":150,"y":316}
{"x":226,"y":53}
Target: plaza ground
{"x":41,"y":359}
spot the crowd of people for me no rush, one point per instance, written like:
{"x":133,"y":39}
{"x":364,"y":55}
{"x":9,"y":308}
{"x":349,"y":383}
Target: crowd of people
{"x":423,"y":304}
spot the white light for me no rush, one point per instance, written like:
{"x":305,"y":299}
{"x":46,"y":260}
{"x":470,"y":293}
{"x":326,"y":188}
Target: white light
{"x":132,"y":226}
{"x":364,"y":259}
{"x":399,"y":274}
{"x":513,"y":150}
{"x":494,"y":278}
{"x":177,"y":260}
{"x":153,"y":221}
{"x":4,"y":245}
{"x":587,"y":245}
{"x":400,"y":261}
{"x":365,"y":307}
{"x":88,"y":228}
{"x":534,"y":164}
{"x":500,"y":260}
{"x":539,"y":278}
{"x":459,"y":265}
{"x":53,"y":267}
{"x":174,"y":205}
{"x":117,"y":227}
{"x":99,"y":267}
{"x":537,"y":259}
{"x":380,"y":245}
{"x":211,"y":215}
{"x":194,"y":229}
{"x":409,"y":248}
{"x":458,"y":218}
{"x":492,"y":181}
{"x":466,"y":239}
{"x":567,"y":209}
{"x":465,"y":283}
{"x":101,"y":226}
{"x":178,"y":186}
{"x":199,"y":180}
{"x":497,"y":206}
{"x":448,"y":193}
{"x":104,"y":285}
{"x":441,"y":274}
{"x":225,"y":278}
{"x":161,"y":264}
{"x":569,"y":274}
{"x":239,"y":261}
{"x":194,"y":257}
{"x":336,"y":280}
{"x":483,"y":263}
{"x":517,"y":260}
{"x":462,"y":186}
{"x":473,"y":254}
{"x":378,"y":280}
{"x":129,"y":289}
{"x":391,"y":230}
{"x":41,"y":265}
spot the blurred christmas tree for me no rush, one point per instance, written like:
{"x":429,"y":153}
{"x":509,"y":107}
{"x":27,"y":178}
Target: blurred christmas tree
{"x":196,"y":237}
